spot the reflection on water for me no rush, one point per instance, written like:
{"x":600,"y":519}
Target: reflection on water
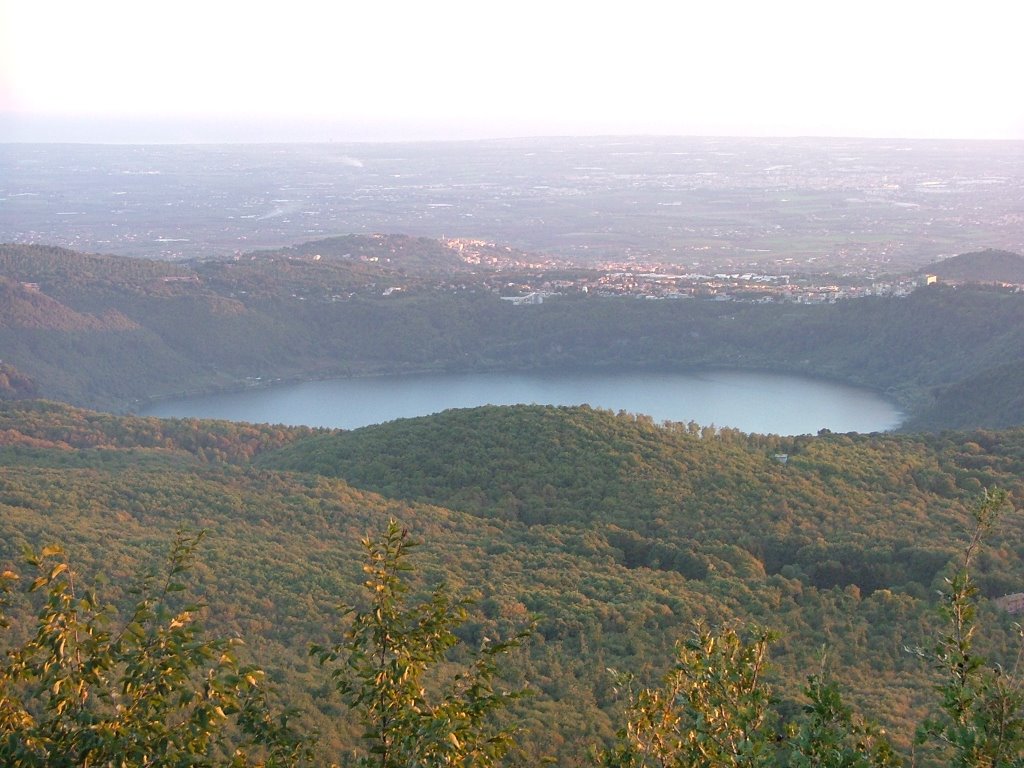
{"x":752,"y":402}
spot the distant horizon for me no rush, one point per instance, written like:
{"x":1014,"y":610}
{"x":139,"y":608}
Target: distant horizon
{"x":66,"y":130}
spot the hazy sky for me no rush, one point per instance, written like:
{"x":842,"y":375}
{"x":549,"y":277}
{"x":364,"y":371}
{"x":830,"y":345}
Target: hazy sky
{"x":138,"y":70}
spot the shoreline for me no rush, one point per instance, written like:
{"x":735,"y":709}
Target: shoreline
{"x":317,"y":410}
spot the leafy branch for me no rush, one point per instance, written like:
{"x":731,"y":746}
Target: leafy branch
{"x":388,"y":652}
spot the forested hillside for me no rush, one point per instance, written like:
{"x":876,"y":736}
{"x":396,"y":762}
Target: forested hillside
{"x":614,"y":532}
{"x":988,"y":266}
{"x":110,"y":332}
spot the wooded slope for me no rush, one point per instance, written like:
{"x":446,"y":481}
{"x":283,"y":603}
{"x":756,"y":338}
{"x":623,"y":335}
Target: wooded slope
{"x":614,"y":532}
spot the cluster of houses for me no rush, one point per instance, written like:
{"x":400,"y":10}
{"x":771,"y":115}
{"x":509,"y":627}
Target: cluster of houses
{"x":748,"y":287}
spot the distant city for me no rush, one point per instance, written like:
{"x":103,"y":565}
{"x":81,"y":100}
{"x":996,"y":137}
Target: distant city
{"x":534,"y":281}
{"x":752,"y":210}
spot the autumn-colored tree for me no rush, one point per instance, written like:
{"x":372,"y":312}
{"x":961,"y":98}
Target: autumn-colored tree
{"x":87,"y":689}
{"x":713,"y":709}
{"x":980,"y":718}
{"x":389,"y":651}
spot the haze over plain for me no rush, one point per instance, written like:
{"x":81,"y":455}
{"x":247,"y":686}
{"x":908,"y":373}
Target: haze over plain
{"x":116,"y":71}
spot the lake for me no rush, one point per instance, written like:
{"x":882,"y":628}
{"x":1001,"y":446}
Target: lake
{"x":752,"y":402}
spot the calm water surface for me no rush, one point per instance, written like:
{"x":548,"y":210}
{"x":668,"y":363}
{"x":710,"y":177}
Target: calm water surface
{"x":752,"y":402}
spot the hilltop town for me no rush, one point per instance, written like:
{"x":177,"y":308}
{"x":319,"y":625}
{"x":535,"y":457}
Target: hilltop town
{"x":530,"y":279}
{"x":338,"y":269}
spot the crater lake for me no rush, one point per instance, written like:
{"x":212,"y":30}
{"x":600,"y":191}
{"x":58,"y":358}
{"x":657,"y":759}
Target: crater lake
{"x":765,"y":403}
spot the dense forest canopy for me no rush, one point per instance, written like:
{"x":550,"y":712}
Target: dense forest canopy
{"x":614,"y":532}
